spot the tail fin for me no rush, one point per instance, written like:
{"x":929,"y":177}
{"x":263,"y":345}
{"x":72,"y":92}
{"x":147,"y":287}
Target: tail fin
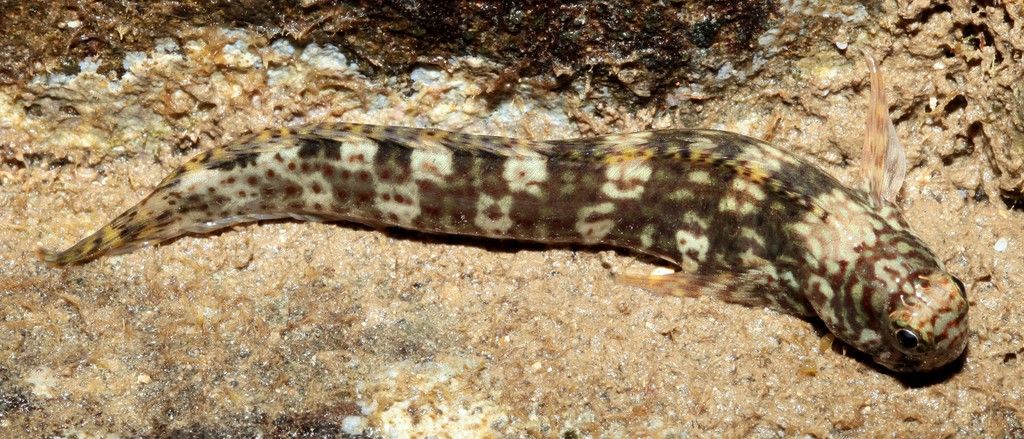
{"x":125,"y":233}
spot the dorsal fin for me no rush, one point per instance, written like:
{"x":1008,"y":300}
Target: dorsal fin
{"x":883,"y":162}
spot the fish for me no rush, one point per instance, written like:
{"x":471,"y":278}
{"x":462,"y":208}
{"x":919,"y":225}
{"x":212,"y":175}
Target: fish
{"x":740,"y":220}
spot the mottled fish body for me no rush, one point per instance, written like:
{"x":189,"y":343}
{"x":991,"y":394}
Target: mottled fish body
{"x":742,"y":220}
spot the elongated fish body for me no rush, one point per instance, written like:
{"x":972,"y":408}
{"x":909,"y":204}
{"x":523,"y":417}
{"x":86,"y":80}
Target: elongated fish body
{"x":742,"y":220}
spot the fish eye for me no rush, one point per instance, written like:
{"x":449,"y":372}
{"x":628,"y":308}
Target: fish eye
{"x":907,"y":338}
{"x":960,"y":286}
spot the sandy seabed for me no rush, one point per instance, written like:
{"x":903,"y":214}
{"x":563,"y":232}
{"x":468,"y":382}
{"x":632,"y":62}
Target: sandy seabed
{"x":292,"y":329}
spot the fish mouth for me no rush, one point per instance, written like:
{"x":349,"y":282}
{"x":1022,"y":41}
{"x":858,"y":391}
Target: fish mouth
{"x":905,"y":366}
{"x":925,"y":363}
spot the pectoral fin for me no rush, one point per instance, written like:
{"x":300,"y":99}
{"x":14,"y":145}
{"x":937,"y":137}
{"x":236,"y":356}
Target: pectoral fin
{"x":883,"y":162}
{"x":745,"y":287}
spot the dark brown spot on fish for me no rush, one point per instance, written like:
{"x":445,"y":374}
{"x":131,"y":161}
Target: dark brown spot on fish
{"x":313,"y":147}
{"x":239,"y":160}
{"x":164,"y":216}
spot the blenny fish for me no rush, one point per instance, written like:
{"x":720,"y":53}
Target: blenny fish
{"x":741,"y":220}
